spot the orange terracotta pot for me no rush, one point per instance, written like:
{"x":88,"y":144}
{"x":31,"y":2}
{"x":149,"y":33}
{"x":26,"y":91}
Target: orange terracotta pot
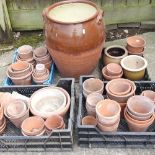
{"x":75,"y":46}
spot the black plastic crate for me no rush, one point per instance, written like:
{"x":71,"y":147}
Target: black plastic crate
{"x":90,"y":136}
{"x":60,"y":140}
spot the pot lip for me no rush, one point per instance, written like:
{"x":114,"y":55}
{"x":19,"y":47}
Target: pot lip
{"x":116,"y":46}
{"x":46,"y":11}
{"x":134,"y":70}
{"x":128,"y":42}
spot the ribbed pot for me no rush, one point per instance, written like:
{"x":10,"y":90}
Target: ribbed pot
{"x":75,"y":46}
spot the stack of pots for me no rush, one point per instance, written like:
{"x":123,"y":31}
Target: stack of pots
{"x":40,"y":74}
{"x":139,"y":113}
{"x":75,"y":46}
{"x":25,"y":53}
{"x":33,"y":126}
{"x":120,"y":90}
{"x":2,"y":120}
{"x":20,"y":73}
{"x":42,"y":56}
{"x":17,"y":111}
{"x":112,"y":71}
{"x":108,"y":115}
{"x":135,"y":45}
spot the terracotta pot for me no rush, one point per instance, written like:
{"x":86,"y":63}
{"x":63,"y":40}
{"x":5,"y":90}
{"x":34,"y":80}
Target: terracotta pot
{"x":114,"y":69}
{"x":25,"y":52}
{"x":89,"y":120}
{"x":54,"y":122}
{"x":33,"y":126}
{"x":41,"y":134}
{"x":135,"y":44}
{"x":114,"y":54}
{"x":44,"y":59}
{"x":108,"y":111}
{"x":108,"y":77}
{"x":40,"y":52}
{"x":134,"y":67}
{"x":19,"y":66}
{"x":77,"y":51}
{"x":91,"y":111}
{"x":120,"y":98}
{"x":92,"y":85}
{"x":140,"y":107}
{"x":135,"y":126}
{"x":150,"y":94}
{"x":1,"y":114}
{"x":139,"y":54}
{"x":3,"y":126}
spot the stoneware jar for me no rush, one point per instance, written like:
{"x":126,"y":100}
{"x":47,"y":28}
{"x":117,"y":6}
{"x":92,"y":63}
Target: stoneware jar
{"x":75,"y":36}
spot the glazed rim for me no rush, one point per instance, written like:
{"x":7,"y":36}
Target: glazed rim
{"x":149,"y":101}
{"x":116,"y":46}
{"x":130,"y":57}
{"x":48,"y":9}
{"x":138,"y":38}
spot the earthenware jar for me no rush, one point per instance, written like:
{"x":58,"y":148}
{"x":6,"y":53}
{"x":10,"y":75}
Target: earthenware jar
{"x":74,"y":40}
{"x":134,"y":67}
{"x":114,"y":54}
{"x":149,"y":93}
{"x":33,"y":126}
{"x":89,"y":120}
{"x":135,"y":45}
{"x":91,"y":102}
{"x":92,"y":85}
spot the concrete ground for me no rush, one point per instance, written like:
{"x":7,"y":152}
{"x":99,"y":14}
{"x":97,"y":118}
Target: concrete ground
{"x":6,"y":58}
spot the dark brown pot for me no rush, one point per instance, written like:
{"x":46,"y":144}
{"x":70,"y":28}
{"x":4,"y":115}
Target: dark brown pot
{"x":78,"y":48}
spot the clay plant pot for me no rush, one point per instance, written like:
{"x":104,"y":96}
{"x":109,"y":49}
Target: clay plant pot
{"x":40,"y":52}
{"x":43,"y":59}
{"x":19,"y":66}
{"x":149,"y":93}
{"x":72,"y":60}
{"x":54,"y":122}
{"x":109,"y":77}
{"x":135,"y":44}
{"x":3,"y":126}
{"x":17,"y":111}
{"x":120,"y":98}
{"x":1,"y":114}
{"x":108,"y":111}
{"x":92,"y":85}
{"x":114,"y":69}
{"x":134,"y":67}
{"x":25,"y":52}
{"x":33,"y":126}
{"x":114,"y":54}
{"x":140,"y":107}
{"x":138,"y":126}
{"x":89,"y":120}
{"x":139,"y":54}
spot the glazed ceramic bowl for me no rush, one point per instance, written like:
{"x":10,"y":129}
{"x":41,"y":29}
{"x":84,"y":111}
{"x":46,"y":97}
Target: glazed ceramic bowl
{"x":40,"y":52}
{"x":92,"y":85}
{"x":149,"y":93}
{"x":114,"y":69}
{"x":134,"y":67}
{"x":114,"y":54}
{"x":89,"y":120}
{"x":25,"y":52}
{"x":135,"y":44}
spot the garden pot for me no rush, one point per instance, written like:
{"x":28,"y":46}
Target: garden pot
{"x":74,"y":44}
{"x":150,"y":94}
{"x":25,"y":52}
{"x":40,"y":52}
{"x":89,"y":120}
{"x":134,"y":67}
{"x":19,"y":66}
{"x":114,"y":54}
{"x":92,"y":85}
{"x":139,"y":54}
{"x":3,"y":126}
{"x":1,"y":114}
{"x":114,"y":69}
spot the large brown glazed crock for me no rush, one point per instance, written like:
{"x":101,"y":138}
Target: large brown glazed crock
{"x":75,"y":47}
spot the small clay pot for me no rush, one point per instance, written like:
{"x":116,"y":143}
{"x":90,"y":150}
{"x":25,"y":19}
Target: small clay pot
{"x":45,"y":59}
{"x":19,"y":66}
{"x":33,"y":126}
{"x":1,"y":114}
{"x":54,"y":122}
{"x":150,"y":94}
{"x":89,"y":120}
{"x":25,"y":52}
{"x":40,"y":134}
{"x":92,"y":85}
{"x":3,"y":126}
{"x":135,"y":44}
{"x":40,"y":52}
{"x":139,"y":54}
{"x":114,"y":69}
{"x":134,"y":67}
{"x":108,"y":111}
{"x":114,"y":54}
{"x":108,"y":77}
{"x":91,"y":111}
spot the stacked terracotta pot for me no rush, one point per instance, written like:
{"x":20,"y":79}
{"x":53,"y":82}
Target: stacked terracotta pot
{"x":139,"y":113}
{"x":20,"y":73}
{"x":108,"y":115}
{"x":150,"y":94}
{"x":135,"y":45}
{"x":112,"y":71}
{"x":2,"y":120}
{"x":89,"y":120}
{"x":120,"y":90}
{"x":42,"y":56}
{"x":25,"y":53}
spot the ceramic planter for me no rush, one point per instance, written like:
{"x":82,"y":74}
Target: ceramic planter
{"x":25,"y":52}
{"x":89,"y":120}
{"x":40,"y":52}
{"x":114,"y":69}
{"x":114,"y":54}
{"x":77,"y":51}
{"x":150,"y":94}
{"x":134,"y":67}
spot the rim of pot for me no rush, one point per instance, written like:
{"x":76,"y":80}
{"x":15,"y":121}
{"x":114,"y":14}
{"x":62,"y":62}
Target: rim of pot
{"x":116,"y":46}
{"x":134,"y":70}
{"x":48,"y":9}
